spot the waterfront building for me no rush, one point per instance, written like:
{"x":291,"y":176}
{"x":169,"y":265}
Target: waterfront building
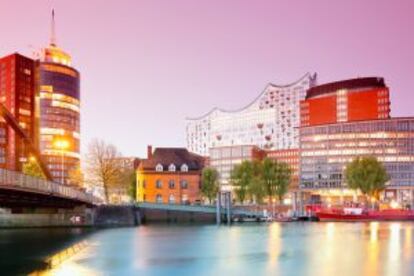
{"x":17,"y":95}
{"x":270,"y":121}
{"x":223,"y":159}
{"x":290,"y":157}
{"x":59,"y":111}
{"x":326,"y":149}
{"x":169,"y":175}
{"x":346,"y":101}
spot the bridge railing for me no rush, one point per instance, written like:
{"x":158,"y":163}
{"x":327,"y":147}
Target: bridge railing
{"x":19,"y":180}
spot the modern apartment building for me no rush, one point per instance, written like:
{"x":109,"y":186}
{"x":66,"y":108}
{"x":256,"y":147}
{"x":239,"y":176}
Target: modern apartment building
{"x":270,"y":121}
{"x":17,"y":95}
{"x":346,"y":101}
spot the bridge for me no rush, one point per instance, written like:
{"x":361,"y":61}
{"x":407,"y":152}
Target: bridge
{"x":18,"y":190}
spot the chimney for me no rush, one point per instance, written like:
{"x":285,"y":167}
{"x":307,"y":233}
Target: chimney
{"x":149,"y":151}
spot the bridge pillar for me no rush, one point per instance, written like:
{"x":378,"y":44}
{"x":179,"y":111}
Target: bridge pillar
{"x":228,"y":207}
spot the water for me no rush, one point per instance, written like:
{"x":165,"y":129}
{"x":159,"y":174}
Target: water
{"x":261,"y":249}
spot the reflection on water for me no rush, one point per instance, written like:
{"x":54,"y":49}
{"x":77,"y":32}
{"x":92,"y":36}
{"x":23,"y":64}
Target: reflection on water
{"x":266,"y":249}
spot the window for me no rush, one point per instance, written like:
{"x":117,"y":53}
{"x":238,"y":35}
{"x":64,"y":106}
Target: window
{"x":184,"y":184}
{"x":171,"y":184}
{"x":184,"y":198}
{"x":159,"y":168}
{"x":184,"y":168}
{"x":171,"y":199}
{"x":158,"y":184}
{"x":171,"y":168}
{"x":158,"y":198}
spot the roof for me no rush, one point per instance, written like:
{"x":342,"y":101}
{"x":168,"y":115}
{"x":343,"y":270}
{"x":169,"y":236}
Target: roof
{"x":176,"y":156}
{"x":345,"y":84}
{"x":307,"y":76}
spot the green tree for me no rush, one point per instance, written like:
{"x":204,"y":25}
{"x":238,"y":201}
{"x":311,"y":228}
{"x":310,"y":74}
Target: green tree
{"x":257,"y":188}
{"x":276,"y":178}
{"x":32,"y":168}
{"x":268,"y":176}
{"x":283,"y":174}
{"x":366,"y":174}
{"x":242,"y":178}
{"x":132,"y":188}
{"x":209,"y":183}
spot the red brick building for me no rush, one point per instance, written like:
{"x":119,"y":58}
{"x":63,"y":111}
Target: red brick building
{"x":346,"y":101}
{"x":169,"y":175}
{"x":17,"y":95}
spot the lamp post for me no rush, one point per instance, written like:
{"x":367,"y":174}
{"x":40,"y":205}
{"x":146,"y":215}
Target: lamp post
{"x":62,"y":145}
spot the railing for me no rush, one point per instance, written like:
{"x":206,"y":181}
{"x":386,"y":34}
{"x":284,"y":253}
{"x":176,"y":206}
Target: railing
{"x":18,"y":180}
{"x":194,"y":208}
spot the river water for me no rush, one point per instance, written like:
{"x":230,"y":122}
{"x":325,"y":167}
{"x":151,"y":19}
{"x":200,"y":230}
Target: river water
{"x":307,"y":248}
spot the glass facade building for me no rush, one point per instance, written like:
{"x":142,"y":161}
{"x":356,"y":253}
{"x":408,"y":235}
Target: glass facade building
{"x":59,"y":113}
{"x":17,"y":95}
{"x":223,"y":159}
{"x":271,"y":121}
{"x":326,"y":149}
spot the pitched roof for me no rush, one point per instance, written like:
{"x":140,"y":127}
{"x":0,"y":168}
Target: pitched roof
{"x":176,"y":156}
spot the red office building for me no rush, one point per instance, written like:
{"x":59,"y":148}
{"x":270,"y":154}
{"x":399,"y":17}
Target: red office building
{"x":346,"y":101}
{"x":17,"y":94}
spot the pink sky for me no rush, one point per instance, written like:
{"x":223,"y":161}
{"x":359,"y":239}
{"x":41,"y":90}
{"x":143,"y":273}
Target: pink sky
{"x":146,"y":65}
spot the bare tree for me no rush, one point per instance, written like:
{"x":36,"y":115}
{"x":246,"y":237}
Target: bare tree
{"x":102,"y":166}
{"x":76,"y":177}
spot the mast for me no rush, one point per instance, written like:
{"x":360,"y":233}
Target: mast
{"x":52,"y":30}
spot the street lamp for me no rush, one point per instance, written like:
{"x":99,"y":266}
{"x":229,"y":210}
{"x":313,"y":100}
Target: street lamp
{"x":62,"y":145}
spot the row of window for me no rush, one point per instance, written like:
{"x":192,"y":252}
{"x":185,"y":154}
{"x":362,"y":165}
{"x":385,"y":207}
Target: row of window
{"x":171,"y":168}
{"x":171,"y":184}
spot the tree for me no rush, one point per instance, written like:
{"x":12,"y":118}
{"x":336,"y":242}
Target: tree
{"x":257,"y":188}
{"x":241,"y":177}
{"x":32,"y":168}
{"x":102,"y":166}
{"x":132,"y":188}
{"x":75,"y":176}
{"x":366,"y":174}
{"x":209,"y":183}
{"x":282,"y":179}
{"x":268,"y":176}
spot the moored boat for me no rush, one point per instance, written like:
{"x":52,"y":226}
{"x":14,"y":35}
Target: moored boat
{"x":358,"y":214}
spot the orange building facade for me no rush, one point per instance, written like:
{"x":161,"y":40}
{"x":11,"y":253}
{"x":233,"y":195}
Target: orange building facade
{"x":169,"y":175}
{"x":346,"y":101}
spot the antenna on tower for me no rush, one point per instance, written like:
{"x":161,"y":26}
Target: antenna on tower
{"x":52,"y":30}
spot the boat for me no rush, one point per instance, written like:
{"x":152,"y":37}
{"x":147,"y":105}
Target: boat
{"x":283,"y":219}
{"x":359,"y":214}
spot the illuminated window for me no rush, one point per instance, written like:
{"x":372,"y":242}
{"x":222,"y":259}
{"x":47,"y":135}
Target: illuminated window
{"x":158,"y":198}
{"x":171,"y":199}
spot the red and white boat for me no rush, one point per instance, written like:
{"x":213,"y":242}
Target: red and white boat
{"x":359,"y":214}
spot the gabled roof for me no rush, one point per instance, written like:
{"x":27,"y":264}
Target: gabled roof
{"x":176,"y":156}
